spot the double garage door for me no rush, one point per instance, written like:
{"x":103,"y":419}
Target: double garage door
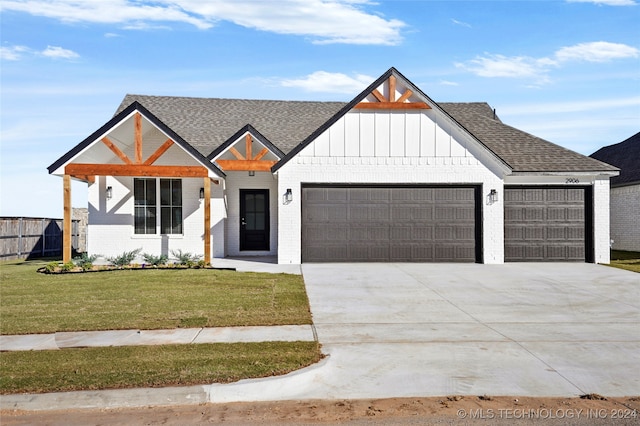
{"x":442,"y":224}
{"x":543,"y":224}
{"x":391,"y":224}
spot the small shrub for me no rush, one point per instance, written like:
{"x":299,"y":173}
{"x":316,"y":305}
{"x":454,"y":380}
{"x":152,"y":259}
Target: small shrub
{"x":155,"y":260}
{"x":66,"y":267}
{"x":125,"y":258}
{"x":186,"y":259}
{"x":51,"y":266}
{"x":85,"y":261}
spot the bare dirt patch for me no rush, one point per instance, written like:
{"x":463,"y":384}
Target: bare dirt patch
{"x":454,"y":409}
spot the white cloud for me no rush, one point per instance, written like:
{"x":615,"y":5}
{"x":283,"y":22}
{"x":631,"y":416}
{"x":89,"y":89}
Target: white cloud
{"x":607,"y":2}
{"x":104,"y":11}
{"x":537,"y":69}
{"x":16,"y":53}
{"x":13,"y":53}
{"x":513,"y":67}
{"x":57,"y":52}
{"x":462,"y":24}
{"x":322,"y":81}
{"x":448,"y":83}
{"x":324,"y":21}
{"x":599,"y":51}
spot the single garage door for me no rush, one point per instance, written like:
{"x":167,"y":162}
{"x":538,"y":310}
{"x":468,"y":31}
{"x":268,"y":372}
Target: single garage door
{"x":547,"y":224}
{"x":390,"y":224}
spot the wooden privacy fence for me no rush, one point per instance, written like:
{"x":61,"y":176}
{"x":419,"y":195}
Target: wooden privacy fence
{"x":29,"y":237}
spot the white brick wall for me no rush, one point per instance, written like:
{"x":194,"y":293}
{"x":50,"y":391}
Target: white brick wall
{"x":601,"y":239}
{"x":110,"y":231}
{"x":389,"y":170}
{"x":625,"y":217}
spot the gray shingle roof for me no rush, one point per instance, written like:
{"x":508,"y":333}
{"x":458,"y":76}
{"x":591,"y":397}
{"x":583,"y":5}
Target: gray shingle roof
{"x":521,"y":150}
{"x":624,"y":155}
{"x":206,"y":123}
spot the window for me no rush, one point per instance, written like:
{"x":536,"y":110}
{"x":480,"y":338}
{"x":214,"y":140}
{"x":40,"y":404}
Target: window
{"x":146,"y":206}
{"x":144,"y":194}
{"x":171,"y":206}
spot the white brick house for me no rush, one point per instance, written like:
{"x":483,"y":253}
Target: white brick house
{"x":625,"y":192}
{"x":390,"y":176}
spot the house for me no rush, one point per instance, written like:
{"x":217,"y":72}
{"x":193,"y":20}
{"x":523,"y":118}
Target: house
{"x":390,"y":176}
{"x":625,"y":192}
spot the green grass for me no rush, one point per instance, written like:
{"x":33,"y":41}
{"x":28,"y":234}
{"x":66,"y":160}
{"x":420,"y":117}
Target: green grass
{"x":629,"y":260}
{"x":31,"y":302}
{"x":149,"y":366}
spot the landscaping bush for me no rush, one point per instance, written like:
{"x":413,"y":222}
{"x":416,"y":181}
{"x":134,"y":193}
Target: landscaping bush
{"x":186,"y":259}
{"x":125,"y":258}
{"x":155,"y":260}
{"x":85,"y":261}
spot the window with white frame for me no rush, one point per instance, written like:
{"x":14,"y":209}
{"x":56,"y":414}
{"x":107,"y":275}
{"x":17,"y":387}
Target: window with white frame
{"x":147,"y":206}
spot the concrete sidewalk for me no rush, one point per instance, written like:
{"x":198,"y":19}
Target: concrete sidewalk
{"x":84,"y":339}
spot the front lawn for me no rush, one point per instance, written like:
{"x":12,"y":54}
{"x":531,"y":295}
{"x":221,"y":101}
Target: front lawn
{"x":32,"y":302}
{"x":629,"y":260}
{"x":149,"y":366}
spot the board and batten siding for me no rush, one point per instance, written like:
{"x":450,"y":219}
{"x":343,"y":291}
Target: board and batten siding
{"x":388,"y":134}
{"x":399,"y":147}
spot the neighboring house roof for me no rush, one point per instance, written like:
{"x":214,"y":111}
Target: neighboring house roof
{"x":208,"y":123}
{"x":624,"y":155}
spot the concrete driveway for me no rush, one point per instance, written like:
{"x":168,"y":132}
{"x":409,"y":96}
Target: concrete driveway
{"x":395,"y":330}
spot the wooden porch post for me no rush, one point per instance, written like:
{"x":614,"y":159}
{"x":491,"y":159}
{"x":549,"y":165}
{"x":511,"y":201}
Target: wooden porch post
{"x":207,"y":220}
{"x":66,"y":223}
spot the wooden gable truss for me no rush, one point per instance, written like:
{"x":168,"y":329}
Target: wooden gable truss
{"x":390,"y":102}
{"x":134,"y":167}
{"x":247,"y":162}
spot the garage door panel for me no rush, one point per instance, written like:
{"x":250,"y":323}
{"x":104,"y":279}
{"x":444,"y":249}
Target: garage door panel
{"x":575,"y":214}
{"x":545,"y":224}
{"x":391,"y":223}
{"x":465,"y":233}
{"x":556,"y":233}
{"x":421,"y":214}
{"x":534,"y":214}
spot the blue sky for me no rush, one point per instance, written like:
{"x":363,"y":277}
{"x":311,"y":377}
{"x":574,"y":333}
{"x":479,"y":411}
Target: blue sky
{"x":566,"y":71}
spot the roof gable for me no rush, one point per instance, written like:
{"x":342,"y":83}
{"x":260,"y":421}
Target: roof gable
{"x":626,"y":156}
{"x":113,"y":124}
{"x":246,"y":150}
{"x":420,"y":99}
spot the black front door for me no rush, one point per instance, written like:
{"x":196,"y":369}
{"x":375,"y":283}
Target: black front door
{"x":254,"y":219}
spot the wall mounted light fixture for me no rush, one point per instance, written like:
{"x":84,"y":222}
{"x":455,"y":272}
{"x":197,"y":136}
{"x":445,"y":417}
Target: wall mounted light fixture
{"x":287,"y":197}
{"x":252,"y":173}
{"x":493,"y":196}
{"x":201,"y":195}
{"x":109,"y":192}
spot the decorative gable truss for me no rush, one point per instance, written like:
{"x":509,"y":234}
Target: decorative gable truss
{"x":117,"y":149}
{"x":237,"y":154}
{"x":391,"y":97}
{"x":135,"y":166}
